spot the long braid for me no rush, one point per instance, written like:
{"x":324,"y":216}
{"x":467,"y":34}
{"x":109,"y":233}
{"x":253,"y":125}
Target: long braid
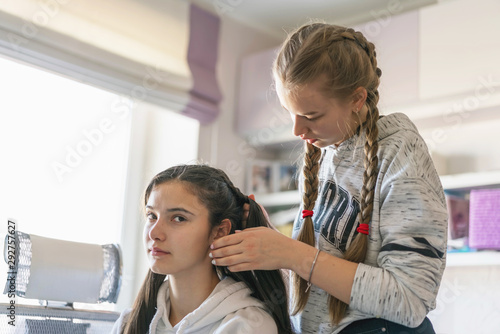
{"x":356,"y":251}
{"x":306,"y":233}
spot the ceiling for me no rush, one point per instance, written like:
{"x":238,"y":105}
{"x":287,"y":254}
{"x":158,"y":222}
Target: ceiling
{"x":278,"y":16}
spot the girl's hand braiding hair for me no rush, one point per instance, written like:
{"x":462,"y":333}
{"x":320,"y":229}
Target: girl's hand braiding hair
{"x":246,"y":210}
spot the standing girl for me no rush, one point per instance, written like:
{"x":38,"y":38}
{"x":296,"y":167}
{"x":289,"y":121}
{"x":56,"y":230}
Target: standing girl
{"x":368,"y":248}
{"x":187,"y":208}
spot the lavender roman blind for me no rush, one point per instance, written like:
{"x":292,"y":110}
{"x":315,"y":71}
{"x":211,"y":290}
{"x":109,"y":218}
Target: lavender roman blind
{"x":160,"y":52}
{"x":202,"y":59}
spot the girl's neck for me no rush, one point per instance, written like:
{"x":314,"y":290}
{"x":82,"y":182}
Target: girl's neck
{"x":188,"y":293}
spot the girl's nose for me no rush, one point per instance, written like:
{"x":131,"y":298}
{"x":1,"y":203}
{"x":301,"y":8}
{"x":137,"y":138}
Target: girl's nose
{"x":155,"y":232}
{"x":299,"y":127}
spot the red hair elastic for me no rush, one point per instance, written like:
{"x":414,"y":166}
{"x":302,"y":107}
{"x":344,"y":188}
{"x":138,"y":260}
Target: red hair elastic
{"x":363,"y":228}
{"x":307,"y":213}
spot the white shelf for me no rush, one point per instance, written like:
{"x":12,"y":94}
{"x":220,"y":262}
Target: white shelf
{"x":470,"y":180}
{"x":469,"y":259}
{"x":450,"y":182}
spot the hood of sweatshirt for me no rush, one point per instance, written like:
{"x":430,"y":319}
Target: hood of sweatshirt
{"x":228,"y":297}
{"x":388,"y":126}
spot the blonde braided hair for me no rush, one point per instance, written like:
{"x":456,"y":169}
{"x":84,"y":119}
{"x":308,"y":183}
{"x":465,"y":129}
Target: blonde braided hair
{"x":306,"y":233}
{"x":348,"y":61}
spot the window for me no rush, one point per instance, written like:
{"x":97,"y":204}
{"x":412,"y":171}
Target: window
{"x":65,"y":150}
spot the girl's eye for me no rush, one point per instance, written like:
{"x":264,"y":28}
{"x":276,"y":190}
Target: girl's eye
{"x":179,"y":219}
{"x":151,"y":216}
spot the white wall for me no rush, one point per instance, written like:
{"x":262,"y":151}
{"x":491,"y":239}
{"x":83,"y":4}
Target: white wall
{"x":468,"y":300}
{"x":158,"y":140}
{"x":153,"y":148}
{"x":219,"y":144}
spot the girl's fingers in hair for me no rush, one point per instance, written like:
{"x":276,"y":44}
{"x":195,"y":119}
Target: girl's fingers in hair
{"x":228,"y":261}
{"x":225,"y":252}
{"x":240,"y":267}
{"x":228,"y":240}
{"x":258,"y":248}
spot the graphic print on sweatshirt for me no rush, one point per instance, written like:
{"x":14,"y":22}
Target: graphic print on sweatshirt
{"x":335,"y":215}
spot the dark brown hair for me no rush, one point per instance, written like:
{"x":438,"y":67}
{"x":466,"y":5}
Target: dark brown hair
{"x":224,"y":201}
{"x":347,"y":61}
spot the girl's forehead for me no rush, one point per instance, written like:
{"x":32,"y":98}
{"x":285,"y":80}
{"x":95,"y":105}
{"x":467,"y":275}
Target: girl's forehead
{"x":309,"y":95}
{"x":173,"y":193}
{"x":318,"y":85}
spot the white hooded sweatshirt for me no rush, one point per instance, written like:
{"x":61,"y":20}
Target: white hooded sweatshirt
{"x":230,"y":309}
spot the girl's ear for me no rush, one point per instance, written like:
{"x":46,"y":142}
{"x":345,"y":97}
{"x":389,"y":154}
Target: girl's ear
{"x":222,"y":230}
{"x":359,"y":97}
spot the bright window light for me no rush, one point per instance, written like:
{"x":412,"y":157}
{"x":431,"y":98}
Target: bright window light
{"x":64,"y":148}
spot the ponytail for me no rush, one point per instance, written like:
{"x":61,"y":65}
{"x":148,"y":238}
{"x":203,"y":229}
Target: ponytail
{"x":267,"y":285}
{"x":144,"y":307}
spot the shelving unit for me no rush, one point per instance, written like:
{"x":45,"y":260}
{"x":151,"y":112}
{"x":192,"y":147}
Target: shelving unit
{"x":278,"y":199}
{"x":469,"y":181}
{"x":471,"y":259}
{"x":457,"y":182}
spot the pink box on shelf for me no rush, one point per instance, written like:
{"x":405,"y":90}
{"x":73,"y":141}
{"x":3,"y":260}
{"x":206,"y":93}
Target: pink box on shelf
{"x":484,"y":219}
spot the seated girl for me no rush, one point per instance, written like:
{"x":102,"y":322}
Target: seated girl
{"x":187,"y":208}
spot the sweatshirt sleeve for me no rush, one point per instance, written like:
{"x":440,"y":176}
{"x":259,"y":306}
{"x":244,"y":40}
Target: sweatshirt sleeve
{"x":250,"y":320}
{"x":413,"y":224}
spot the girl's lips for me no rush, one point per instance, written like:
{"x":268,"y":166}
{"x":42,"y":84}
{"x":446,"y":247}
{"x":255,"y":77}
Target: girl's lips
{"x":309,"y":140}
{"x":158,"y":252}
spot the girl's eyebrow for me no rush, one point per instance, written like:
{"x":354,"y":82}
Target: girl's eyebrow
{"x":309,"y":113}
{"x":180,"y":209}
{"x":172,"y":210}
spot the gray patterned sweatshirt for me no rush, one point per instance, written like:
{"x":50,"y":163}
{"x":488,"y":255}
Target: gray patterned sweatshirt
{"x":400,"y":277}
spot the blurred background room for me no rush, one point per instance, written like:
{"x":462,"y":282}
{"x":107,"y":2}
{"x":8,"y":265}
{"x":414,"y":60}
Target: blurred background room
{"x":99,"y":96}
